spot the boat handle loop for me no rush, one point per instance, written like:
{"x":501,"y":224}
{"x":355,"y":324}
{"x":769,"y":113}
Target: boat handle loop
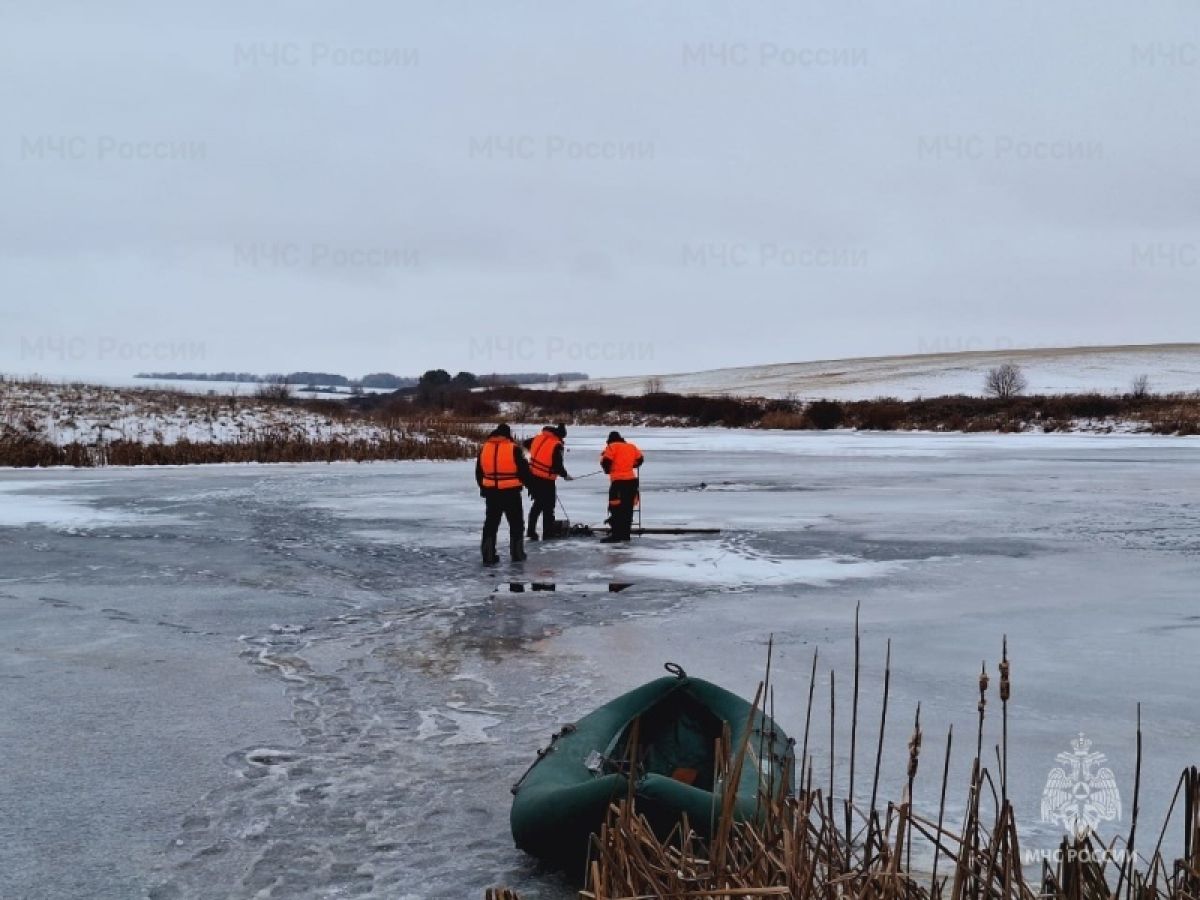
{"x":675,"y":669}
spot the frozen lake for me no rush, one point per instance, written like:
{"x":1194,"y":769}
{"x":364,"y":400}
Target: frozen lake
{"x":297,"y":681}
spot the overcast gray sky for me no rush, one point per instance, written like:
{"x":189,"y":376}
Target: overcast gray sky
{"x":616,"y":187}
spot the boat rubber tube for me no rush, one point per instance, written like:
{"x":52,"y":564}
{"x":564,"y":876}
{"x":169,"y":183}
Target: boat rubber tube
{"x":564,"y":797}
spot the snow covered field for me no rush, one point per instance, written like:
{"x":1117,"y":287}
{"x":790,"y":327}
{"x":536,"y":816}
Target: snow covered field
{"x":90,"y":414}
{"x":296,"y":681}
{"x":218,"y":388}
{"x":1172,"y":368}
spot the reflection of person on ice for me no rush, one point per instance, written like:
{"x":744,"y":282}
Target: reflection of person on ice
{"x":545,"y":464}
{"x":501,"y":471}
{"x":621,"y":461}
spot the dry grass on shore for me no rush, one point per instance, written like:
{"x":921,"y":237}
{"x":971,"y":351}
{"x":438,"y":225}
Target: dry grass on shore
{"x":30,"y":452}
{"x":807,"y":845}
{"x":48,"y":424}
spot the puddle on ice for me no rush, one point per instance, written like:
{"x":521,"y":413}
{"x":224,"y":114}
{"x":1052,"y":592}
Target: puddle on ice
{"x":521,"y":587}
{"x":731,"y":487}
{"x":723,"y":564}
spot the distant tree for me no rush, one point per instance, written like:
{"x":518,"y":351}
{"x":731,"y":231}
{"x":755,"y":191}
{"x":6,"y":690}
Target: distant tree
{"x":1005,"y":381}
{"x":652,"y":385}
{"x":435,"y":378}
{"x":1140,"y":389}
{"x":437,"y":389}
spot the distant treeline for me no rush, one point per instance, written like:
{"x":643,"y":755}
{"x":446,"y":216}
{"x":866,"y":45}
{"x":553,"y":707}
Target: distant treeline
{"x":466,"y":395}
{"x":383,"y":380}
{"x":531,"y":377}
{"x":324,"y":379}
{"x":458,"y":396}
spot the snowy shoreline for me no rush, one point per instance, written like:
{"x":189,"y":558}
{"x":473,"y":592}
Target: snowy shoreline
{"x":46,"y":425}
{"x":78,"y":425}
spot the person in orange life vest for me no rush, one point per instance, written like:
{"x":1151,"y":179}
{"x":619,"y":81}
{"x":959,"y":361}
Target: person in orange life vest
{"x":546,"y":464}
{"x":501,"y":471}
{"x":621,"y":461}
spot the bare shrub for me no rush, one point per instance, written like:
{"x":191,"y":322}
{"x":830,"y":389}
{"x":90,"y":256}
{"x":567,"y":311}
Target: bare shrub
{"x":1005,"y":381}
{"x":885,"y":414}
{"x":1140,"y":388}
{"x":652,"y":386}
{"x":278,"y":391}
{"x":824,"y":414}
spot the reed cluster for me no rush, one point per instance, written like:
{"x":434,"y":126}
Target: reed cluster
{"x":806,"y":844}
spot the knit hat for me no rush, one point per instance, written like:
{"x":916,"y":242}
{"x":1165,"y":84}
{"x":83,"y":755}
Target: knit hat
{"x":502,"y":430}
{"x":561,"y":430}
{"x":614,"y":436}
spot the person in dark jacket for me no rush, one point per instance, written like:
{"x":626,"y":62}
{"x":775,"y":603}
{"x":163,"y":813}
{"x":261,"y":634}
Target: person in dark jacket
{"x":501,"y":470}
{"x":622,"y":462}
{"x":546,"y":465}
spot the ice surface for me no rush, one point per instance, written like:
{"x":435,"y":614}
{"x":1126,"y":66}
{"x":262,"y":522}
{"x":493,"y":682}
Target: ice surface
{"x":298,"y":682}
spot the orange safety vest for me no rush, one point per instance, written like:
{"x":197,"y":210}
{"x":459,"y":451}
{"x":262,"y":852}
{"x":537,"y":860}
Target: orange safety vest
{"x":541,"y":454}
{"x":498,"y":459}
{"x":623,"y":456}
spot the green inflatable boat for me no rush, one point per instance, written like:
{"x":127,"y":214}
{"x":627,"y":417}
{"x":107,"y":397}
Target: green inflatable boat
{"x":564,"y":797}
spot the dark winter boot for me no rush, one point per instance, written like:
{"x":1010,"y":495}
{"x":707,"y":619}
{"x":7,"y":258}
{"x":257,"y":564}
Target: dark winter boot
{"x":488,"y":548}
{"x":531,"y":535}
{"x":518,"y":550}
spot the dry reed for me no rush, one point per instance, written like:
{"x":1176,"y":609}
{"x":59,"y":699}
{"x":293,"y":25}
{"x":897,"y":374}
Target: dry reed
{"x":803,"y":846}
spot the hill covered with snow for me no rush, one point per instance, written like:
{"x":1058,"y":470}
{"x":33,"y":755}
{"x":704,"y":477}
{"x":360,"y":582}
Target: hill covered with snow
{"x":1171,"y":368}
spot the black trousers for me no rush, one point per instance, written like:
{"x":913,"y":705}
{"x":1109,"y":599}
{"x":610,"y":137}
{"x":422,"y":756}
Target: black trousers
{"x":503,"y":504}
{"x":621,"y":496}
{"x":545,"y":494}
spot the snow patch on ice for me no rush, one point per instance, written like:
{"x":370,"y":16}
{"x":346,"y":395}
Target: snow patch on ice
{"x":456,"y":726}
{"x":472,"y":728}
{"x":428,"y":726}
{"x":721,"y":565}
{"x":19,"y":508}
